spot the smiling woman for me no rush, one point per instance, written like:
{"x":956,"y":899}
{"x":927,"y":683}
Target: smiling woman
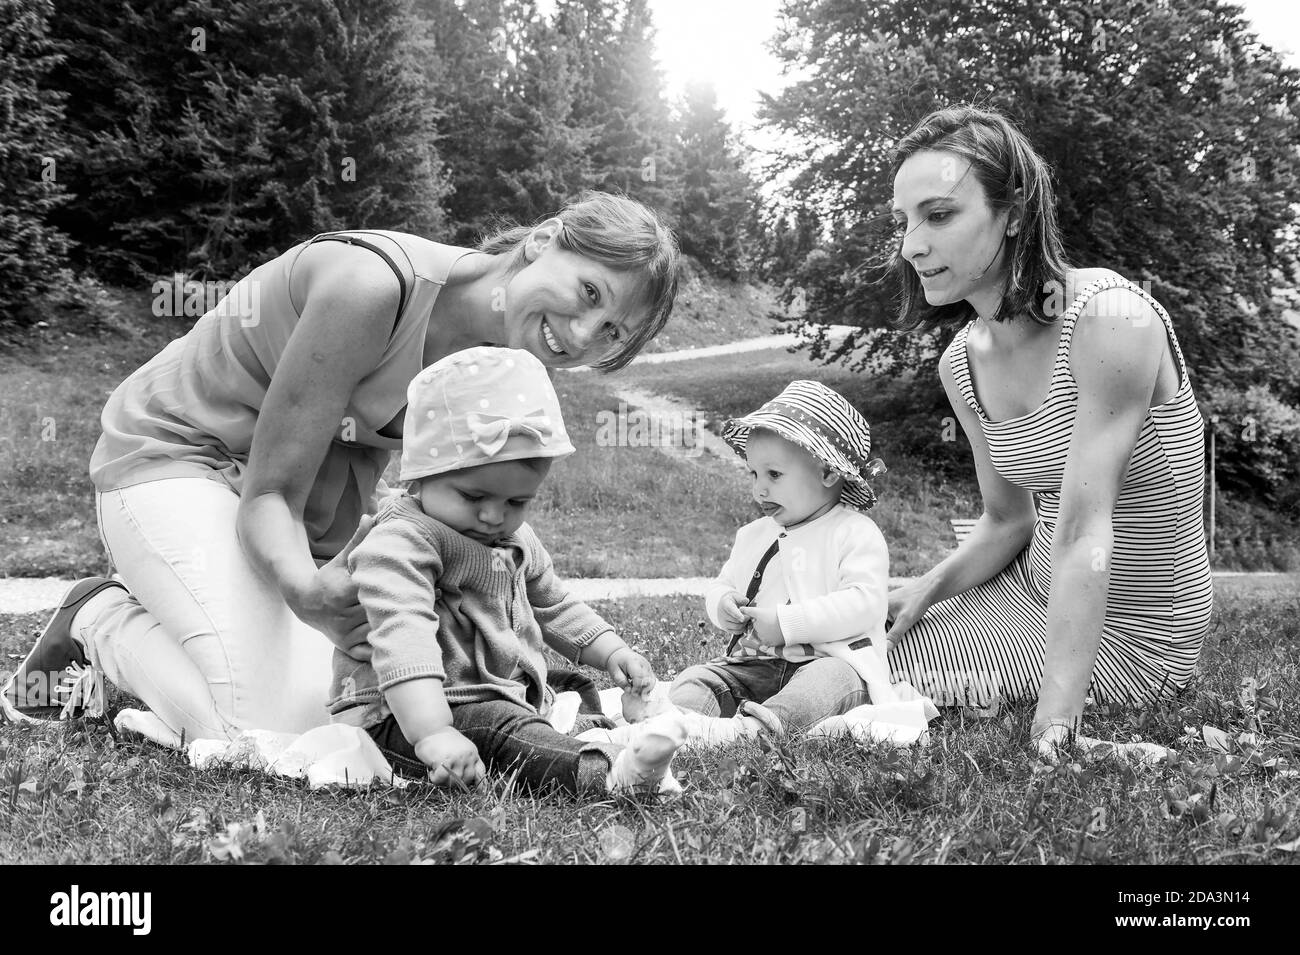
{"x":240,"y":466}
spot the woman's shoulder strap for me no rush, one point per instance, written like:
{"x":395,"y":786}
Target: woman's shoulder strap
{"x":959,"y":367}
{"x":1105,"y":283}
{"x":405,"y":276}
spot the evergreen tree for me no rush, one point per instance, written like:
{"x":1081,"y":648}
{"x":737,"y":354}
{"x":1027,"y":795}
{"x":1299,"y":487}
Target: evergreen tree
{"x":318,"y":116}
{"x":621,"y":96}
{"x":126,"y":71}
{"x":213,"y":135}
{"x":716,"y":197}
{"x":547,"y":161}
{"x":31,"y":157}
{"x":472,"y":43}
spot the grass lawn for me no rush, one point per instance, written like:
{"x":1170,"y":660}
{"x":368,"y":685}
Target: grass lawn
{"x":53,"y":385}
{"x":74,"y":794}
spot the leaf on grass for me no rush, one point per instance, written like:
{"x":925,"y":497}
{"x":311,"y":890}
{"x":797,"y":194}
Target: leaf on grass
{"x":1176,"y":800}
{"x":196,"y":820}
{"x":1292,"y":846}
{"x":399,"y":856}
{"x":276,"y":847}
{"x":1230,"y":822}
{"x":1227,"y":765}
{"x":616,"y":843}
{"x":1216,"y":739}
{"x":1247,"y":692}
{"x":229,"y":844}
{"x":1096,"y":820}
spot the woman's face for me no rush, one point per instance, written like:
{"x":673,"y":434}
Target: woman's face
{"x":569,"y":310}
{"x":951,"y":237}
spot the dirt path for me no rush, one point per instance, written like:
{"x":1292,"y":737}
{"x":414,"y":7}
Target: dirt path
{"x":763,"y":343}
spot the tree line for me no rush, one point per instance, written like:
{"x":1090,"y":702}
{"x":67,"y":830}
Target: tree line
{"x":147,"y":137}
{"x":150,"y":137}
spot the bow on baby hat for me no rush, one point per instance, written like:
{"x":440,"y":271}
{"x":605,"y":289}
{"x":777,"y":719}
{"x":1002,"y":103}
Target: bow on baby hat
{"x":490,"y":431}
{"x":478,"y":406}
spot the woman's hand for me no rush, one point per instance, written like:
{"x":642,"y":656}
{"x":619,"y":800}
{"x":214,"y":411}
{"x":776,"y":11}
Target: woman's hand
{"x":450,"y":757}
{"x":331,"y":605}
{"x":1054,"y":740}
{"x":907,"y":604}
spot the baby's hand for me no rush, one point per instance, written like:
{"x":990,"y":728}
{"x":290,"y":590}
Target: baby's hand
{"x":449,"y":755}
{"x":733,"y":620}
{"x":631,"y":671}
{"x":767,"y":626}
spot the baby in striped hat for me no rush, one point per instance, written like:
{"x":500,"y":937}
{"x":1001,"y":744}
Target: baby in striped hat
{"x":805,"y":591}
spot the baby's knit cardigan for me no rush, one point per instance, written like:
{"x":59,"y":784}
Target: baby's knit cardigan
{"x":443,"y":606}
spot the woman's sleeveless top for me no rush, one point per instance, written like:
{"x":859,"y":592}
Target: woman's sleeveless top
{"x":1159,"y":601}
{"x":191,"y":410}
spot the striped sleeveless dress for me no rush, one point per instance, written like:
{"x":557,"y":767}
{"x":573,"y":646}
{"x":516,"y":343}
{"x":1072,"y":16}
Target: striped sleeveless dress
{"x":990,"y":639}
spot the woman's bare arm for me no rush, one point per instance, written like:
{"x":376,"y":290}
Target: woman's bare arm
{"x":349,"y":297}
{"x":1118,"y":345}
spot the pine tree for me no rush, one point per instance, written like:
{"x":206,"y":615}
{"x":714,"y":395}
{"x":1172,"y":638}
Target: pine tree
{"x":622,"y":98}
{"x":126,"y":71}
{"x":716,"y":197}
{"x":32,"y":158}
{"x":210,"y":135}
{"x":472,"y":44}
{"x":547,"y":162}
{"x":318,"y":116}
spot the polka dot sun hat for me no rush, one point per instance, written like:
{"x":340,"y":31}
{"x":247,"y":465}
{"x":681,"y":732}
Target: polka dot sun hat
{"x":824,"y":424}
{"x":479,"y":406}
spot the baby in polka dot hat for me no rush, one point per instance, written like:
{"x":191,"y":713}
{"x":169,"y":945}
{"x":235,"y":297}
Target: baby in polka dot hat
{"x":462,"y":601}
{"x":480,"y":405}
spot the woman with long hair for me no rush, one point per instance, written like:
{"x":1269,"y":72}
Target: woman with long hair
{"x":1087,"y":573}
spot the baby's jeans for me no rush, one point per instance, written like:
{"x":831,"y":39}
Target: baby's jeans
{"x":511,"y":738}
{"x":800,"y":695}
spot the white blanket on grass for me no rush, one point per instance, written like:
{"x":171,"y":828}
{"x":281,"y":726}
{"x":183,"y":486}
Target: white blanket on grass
{"x":341,"y":755}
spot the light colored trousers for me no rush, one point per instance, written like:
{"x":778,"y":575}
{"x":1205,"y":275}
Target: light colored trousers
{"x":202,"y":638}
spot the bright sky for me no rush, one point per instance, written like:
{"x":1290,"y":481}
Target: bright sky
{"x":725,"y":42}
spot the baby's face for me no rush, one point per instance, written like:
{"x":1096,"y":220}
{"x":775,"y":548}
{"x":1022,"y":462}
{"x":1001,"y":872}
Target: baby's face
{"x":788,"y":482}
{"x":486,"y":503}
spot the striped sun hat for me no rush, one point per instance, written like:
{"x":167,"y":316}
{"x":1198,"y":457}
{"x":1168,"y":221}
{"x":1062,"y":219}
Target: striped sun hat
{"x":824,"y":424}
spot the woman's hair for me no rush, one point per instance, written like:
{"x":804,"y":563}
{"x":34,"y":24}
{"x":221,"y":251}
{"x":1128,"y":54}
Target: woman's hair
{"x":1002,"y":161}
{"x":618,"y":232}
